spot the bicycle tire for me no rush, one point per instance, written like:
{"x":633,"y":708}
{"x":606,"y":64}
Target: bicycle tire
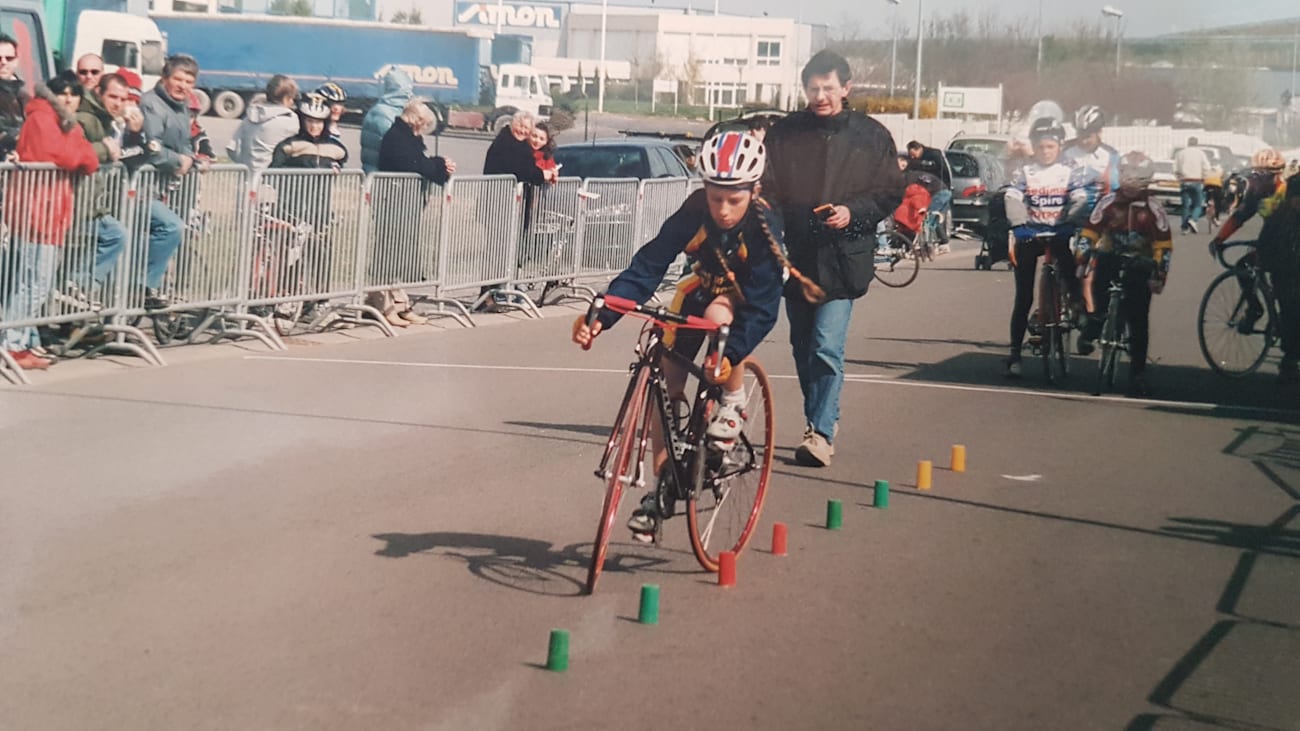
{"x":1050,"y":308}
{"x":1229,"y":352}
{"x":623,"y":440}
{"x":722,"y":513}
{"x":1109,"y":359}
{"x":900,"y":265}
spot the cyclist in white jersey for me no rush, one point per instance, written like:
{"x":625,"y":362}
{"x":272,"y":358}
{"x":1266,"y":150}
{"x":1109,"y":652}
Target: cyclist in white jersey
{"x":1087,"y":150}
{"x":1048,"y":195}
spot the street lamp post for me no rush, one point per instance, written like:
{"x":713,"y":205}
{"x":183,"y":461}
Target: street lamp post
{"x":1111,"y":11}
{"x":893,"y":55}
{"x":1038,"y":67}
{"x":920,"y":40}
{"x":600,"y":72}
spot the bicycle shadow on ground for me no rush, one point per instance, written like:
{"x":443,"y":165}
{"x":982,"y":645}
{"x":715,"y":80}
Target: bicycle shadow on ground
{"x":599,"y":430}
{"x":522,"y":564}
{"x":530,"y":565}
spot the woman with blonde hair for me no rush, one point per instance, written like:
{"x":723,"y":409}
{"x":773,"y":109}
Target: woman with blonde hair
{"x":402,"y":150}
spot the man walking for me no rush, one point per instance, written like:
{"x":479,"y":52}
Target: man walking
{"x":1191,"y":165}
{"x":929,"y":160}
{"x":833,"y":174}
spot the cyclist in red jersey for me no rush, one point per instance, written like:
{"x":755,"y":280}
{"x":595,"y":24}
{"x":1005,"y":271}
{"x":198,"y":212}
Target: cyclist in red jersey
{"x":1126,"y":222}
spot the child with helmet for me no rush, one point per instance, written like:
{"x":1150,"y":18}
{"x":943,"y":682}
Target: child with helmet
{"x":1048,"y":195}
{"x":333,"y":95}
{"x":732,"y":237}
{"x":313,"y":146}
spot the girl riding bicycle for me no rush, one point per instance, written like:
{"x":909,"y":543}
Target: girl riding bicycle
{"x":730,"y":234}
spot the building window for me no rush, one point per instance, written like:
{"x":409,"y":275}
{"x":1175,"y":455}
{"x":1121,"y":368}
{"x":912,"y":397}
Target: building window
{"x":769,"y":53}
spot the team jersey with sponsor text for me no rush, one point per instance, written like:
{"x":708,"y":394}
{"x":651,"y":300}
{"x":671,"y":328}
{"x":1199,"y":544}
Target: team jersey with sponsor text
{"x":1053,"y":193}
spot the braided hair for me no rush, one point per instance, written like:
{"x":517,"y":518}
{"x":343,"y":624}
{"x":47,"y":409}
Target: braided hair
{"x":811,"y":292}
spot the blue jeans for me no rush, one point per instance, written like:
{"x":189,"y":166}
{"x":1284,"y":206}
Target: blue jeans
{"x":32,"y":267}
{"x":165,"y":229}
{"x":939,"y":204}
{"x":110,"y":237}
{"x":1193,"y":200}
{"x":817,"y":335}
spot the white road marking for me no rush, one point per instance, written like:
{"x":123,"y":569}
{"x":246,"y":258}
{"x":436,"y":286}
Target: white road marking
{"x":1024,"y":478}
{"x":868,"y":378}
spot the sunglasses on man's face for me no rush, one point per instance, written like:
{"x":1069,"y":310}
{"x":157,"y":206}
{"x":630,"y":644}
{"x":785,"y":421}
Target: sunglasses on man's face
{"x":89,"y":72}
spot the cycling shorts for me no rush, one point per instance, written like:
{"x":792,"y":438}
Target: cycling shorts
{"x":691,"y":297}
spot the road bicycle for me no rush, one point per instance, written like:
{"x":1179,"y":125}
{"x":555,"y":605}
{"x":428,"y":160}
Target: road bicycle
{"x":722,"y":486}
{"x":1056,"y":314}
{"x":1237,"y":321}
{"x":1114,"y":338}
{"x":283,"y":247}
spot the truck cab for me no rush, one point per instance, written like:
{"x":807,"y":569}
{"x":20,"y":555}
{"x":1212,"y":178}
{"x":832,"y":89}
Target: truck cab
{"x":519,"y":87}
{"x":123,"y":40}
{"x":24,"y":21}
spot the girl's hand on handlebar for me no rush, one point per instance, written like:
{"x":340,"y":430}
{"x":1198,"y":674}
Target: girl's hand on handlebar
{"x":584,"y":335}
{"x":712,"y":366}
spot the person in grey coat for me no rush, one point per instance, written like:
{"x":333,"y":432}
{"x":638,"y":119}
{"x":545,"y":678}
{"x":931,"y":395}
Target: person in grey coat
{"x":266,"y":124}
{"x":398,"y":90}
{"x":167,"y":128}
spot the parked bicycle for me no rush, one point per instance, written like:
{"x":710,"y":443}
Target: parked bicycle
{"x":283,"y":247}
{"x":723,"y":489}
{"x":1237,"y":321}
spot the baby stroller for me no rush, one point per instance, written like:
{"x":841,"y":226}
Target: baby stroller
{"x":994,"y":248}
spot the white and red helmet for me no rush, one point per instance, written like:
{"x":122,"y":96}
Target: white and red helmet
{"x":732,"y":159}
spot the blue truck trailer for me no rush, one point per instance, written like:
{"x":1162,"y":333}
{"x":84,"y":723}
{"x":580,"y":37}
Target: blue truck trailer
{"x":237,"y":54}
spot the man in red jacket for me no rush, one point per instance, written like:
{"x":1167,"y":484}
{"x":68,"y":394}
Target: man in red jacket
{"x":38,"y":209}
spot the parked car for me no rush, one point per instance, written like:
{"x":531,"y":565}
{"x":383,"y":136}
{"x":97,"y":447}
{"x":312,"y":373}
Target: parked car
{"x":621,"y":158}
{"x":1164,"y":185}
{"x":976,"y":177}
{"x":993,"y":145}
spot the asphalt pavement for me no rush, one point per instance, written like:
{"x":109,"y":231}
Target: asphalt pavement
{"x":373,"y":533}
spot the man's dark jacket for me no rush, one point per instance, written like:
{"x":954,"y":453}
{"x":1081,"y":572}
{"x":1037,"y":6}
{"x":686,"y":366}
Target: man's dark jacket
{"x":509,"y":156}
{"x":933,"y":162}
{"x":847,"y":160}
{"x":13,"y":100}
{"x":401,"y":151}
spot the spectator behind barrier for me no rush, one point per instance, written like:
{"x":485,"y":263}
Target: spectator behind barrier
{"x":38,"y":210}
{"x":13,"y":96}
{"x":167,"y":127}
{"x":115,"y":131}
{"x":90,"y":69}
{"x":398,"y":90}
{"x":266,"y":124}
{"x":402,"y":150}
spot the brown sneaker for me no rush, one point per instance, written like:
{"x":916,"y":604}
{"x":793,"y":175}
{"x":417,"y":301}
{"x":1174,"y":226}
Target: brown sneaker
{"x":814,"y":450}
{"x":395,"y":319}
{"x":414,"y":317}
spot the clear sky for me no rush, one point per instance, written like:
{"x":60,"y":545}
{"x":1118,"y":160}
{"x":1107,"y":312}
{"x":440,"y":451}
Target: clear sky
{"x":1141,"y":17}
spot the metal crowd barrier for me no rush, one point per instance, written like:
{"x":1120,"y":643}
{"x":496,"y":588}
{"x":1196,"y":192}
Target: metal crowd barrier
{"x":609,"y":226}
{"x":257,"y":252}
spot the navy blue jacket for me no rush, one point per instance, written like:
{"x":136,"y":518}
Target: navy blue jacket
{"x":748,"y":253}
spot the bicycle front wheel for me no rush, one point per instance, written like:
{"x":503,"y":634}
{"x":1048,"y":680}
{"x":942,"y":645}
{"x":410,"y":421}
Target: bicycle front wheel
{"x":723,"y":509}
{"x":895,"y":266}
{"x":1109,"y":362}
{"x":1234,"y":327}
{"x":620,"y":470}
{"x":1053,"y":327}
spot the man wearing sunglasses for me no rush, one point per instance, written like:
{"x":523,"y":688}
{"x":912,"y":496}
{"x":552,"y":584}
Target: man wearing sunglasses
{"x":13,"y":97}
{"x":90,"y":68}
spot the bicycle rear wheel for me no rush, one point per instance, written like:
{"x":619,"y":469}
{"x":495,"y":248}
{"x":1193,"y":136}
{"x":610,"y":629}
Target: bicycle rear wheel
{"x":1234,"y":327}
{"x":619,"y":471}
{"x":895,"y":266}
{"x":723,"y":509}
